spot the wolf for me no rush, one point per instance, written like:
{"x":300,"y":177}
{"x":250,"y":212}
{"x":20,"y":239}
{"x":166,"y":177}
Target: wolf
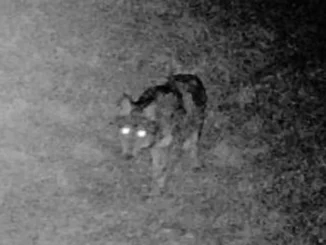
{"x":164,"y":117}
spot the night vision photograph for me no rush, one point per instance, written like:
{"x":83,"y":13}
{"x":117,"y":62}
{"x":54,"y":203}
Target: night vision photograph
{"x":151,"y":122}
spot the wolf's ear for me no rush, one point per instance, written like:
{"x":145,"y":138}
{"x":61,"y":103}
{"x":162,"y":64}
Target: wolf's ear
{"x":150,"y":112}
{"x":125,"y":104}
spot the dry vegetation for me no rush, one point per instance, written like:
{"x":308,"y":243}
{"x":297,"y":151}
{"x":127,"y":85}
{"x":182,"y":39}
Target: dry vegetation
{"x":64,"y":64}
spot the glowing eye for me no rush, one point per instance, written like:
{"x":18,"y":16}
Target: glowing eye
{"x":125,"y":130}
{"x":141,"y":133}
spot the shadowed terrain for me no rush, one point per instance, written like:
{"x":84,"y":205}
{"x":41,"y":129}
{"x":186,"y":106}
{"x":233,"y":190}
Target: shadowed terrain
{"x":63,"y":65}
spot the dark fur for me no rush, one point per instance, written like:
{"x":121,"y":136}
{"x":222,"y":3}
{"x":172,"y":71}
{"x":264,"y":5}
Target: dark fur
{"x":195,"y":87}
{"x":192,"y":85}
{"x":172,"y":114}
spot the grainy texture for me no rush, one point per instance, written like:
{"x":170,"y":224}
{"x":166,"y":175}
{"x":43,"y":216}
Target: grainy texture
{"x":163,"y":118}
{"x":63,"y":65}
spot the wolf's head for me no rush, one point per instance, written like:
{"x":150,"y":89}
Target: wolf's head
{"x":138,"y":127}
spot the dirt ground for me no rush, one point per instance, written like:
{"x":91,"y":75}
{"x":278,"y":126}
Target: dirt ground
{"x":61,"y":180}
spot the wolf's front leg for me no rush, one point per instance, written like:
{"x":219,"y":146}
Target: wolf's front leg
{"x":191,"y":146}
{"x":159,"y":165}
